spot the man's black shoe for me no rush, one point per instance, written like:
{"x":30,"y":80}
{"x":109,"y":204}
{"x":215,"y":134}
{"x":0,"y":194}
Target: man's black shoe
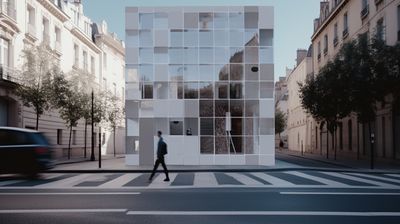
{"x":166,"y":179}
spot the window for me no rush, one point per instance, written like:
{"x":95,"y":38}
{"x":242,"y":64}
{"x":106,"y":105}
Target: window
{"x":92,"y":65}
{"x":319,"y":51}
{"x":88,"y":29}
{"x":31,"y":20}
{"x":85,"y":61}
{"x":122,"y":93}
{"x":59,"y":136}
{"x":105,"y":60}
{"x":76,"y":56}
{"x":57,"y":32}
{"x":176,"y":126}
{"x":104,"y":83}
{"x":325,"y":44}
{"x":345,"y":25}
{"x":380,"y":30}
{"x":115,"y":89}
{"x":364,"y":9}
{"x":335,"y":34}
{"x":4,"y":52}
{"x":46,"y":36}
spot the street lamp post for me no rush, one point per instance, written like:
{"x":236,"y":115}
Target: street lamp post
{"x":92,"y":146}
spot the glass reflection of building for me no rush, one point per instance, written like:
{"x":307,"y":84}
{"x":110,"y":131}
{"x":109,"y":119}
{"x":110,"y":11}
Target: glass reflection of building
{"x":204,"y":77}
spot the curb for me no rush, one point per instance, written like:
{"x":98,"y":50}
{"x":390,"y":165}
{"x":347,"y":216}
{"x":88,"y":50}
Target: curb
{"x":229,"y":170}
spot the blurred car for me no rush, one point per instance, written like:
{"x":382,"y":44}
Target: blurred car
{"x":24,"y":151}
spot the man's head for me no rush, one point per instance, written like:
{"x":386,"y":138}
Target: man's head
{"x":159,"y":133}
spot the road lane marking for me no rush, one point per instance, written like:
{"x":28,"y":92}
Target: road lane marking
{"x":244,"y":179}
{"x":274,"y":180}
{"x":205,"y":180}
{"x":119,"y":181}
{"x":339,"y":193}
{"x":318,"y":179}
{"x":62,"y":211}
{"x":71,"y":193}
{"x":380,"y":184}
{"x":262,"y":213}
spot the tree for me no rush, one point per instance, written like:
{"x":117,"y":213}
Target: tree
{"x":39,"y":67}
{"x":69,"y":103}
{"x":280,"y":122}
{"x":114,"y":115}
{"x":84,"y":83}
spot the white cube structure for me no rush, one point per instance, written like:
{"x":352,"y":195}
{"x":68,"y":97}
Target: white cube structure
{"x":204,"y":76}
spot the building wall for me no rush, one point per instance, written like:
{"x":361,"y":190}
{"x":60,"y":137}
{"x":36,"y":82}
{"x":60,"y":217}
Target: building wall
{"x":357,"y":144}
{"x":186,"y":68}
{"x":72,"y":32}
{"x":298,"y":121}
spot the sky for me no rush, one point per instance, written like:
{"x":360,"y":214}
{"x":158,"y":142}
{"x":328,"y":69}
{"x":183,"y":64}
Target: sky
{"x":293,"y":21}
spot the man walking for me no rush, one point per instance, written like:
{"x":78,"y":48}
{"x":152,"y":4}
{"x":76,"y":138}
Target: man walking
{"x":161,"y":152}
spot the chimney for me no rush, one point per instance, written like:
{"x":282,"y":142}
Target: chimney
{"x":301,"y":54}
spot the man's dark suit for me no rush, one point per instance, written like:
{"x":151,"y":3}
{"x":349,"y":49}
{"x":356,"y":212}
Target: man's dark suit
{"x":161,"y":151}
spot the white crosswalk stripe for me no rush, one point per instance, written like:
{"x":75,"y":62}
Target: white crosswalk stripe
{"x":360,"y":179}
{"x":376,"y":177}
{"x":205,"y":180}
{"x":120,"y":181}
{"x":245,"y":179}
{"x":274,"y":180}
{"x":66,"y":182}
{"x":291,"y":179}
{"x":159,"y":182}
{"x":318,"y":179}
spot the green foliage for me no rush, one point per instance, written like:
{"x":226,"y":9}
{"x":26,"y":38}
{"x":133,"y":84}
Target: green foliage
{"x":280,"y":121}
{"x":36,"y":79}
{"x":363,"y":73}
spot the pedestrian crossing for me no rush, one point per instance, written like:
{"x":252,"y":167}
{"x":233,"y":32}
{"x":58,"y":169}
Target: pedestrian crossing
{"x":282,"y":179}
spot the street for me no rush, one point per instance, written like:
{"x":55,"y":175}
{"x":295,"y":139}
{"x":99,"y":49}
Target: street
{"x":300,"y":195}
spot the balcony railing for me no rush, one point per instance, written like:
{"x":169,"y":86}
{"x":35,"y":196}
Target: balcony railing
{"x":377,"y":2}
{"x":9,"y":74}
{"x":365,"y":12}
{"x":345,"y":33}
{"x":325,"y":51}
{"x":57,"y":46}
{"x":319,"y":56}
{"x":7,"y":9}
{"x":335,"y":41}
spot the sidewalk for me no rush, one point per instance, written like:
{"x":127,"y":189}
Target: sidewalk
{"x":117,"y":164}
{"x":346,"y":163}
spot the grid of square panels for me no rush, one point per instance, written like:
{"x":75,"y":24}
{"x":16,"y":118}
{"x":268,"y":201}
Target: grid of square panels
{"x":214,"y":61}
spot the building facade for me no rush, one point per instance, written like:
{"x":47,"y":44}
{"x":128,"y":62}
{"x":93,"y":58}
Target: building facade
{"x":62,"y":25}
{"x":299,"y":123}
{"x":341,"y":21}
{"x":204,"y":77}
{"x":281,"y":103}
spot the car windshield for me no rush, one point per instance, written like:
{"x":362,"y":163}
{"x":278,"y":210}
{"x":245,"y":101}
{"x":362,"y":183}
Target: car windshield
{"x":40,"y":139}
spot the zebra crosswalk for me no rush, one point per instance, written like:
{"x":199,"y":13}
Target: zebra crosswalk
{"x":282,"y":179}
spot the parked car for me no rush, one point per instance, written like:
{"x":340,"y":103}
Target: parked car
{"x":24,"y":151}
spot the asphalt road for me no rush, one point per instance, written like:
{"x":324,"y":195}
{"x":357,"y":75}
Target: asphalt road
{"x":225,"y":205}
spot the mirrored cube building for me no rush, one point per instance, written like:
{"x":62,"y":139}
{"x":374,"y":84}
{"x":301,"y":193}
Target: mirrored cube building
{"x":204,"y":76}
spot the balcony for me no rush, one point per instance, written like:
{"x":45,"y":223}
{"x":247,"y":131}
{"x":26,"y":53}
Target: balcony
{"x":8,"y":74}
{"x":319,"y":56}
{"x":31,"y":33}
{"x":8,"y":10}
{"x":325,"y":51}
{"x":364,"y":13}
{"x":335,"y":41}
{"x":57,"y":48}
{"x":345,"y":33}
{"x":377,"y":2}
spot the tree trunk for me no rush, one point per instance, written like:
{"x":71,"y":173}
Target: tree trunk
{"x":37,"y":121}
{"x":327,"y":140}
{"x":84,"y":152}
{"x":69,"y":142}
{"x":114,"y":143}
{"x":334,"y":142}
{"x":358,"y":140}
{"x":394,"y":129}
